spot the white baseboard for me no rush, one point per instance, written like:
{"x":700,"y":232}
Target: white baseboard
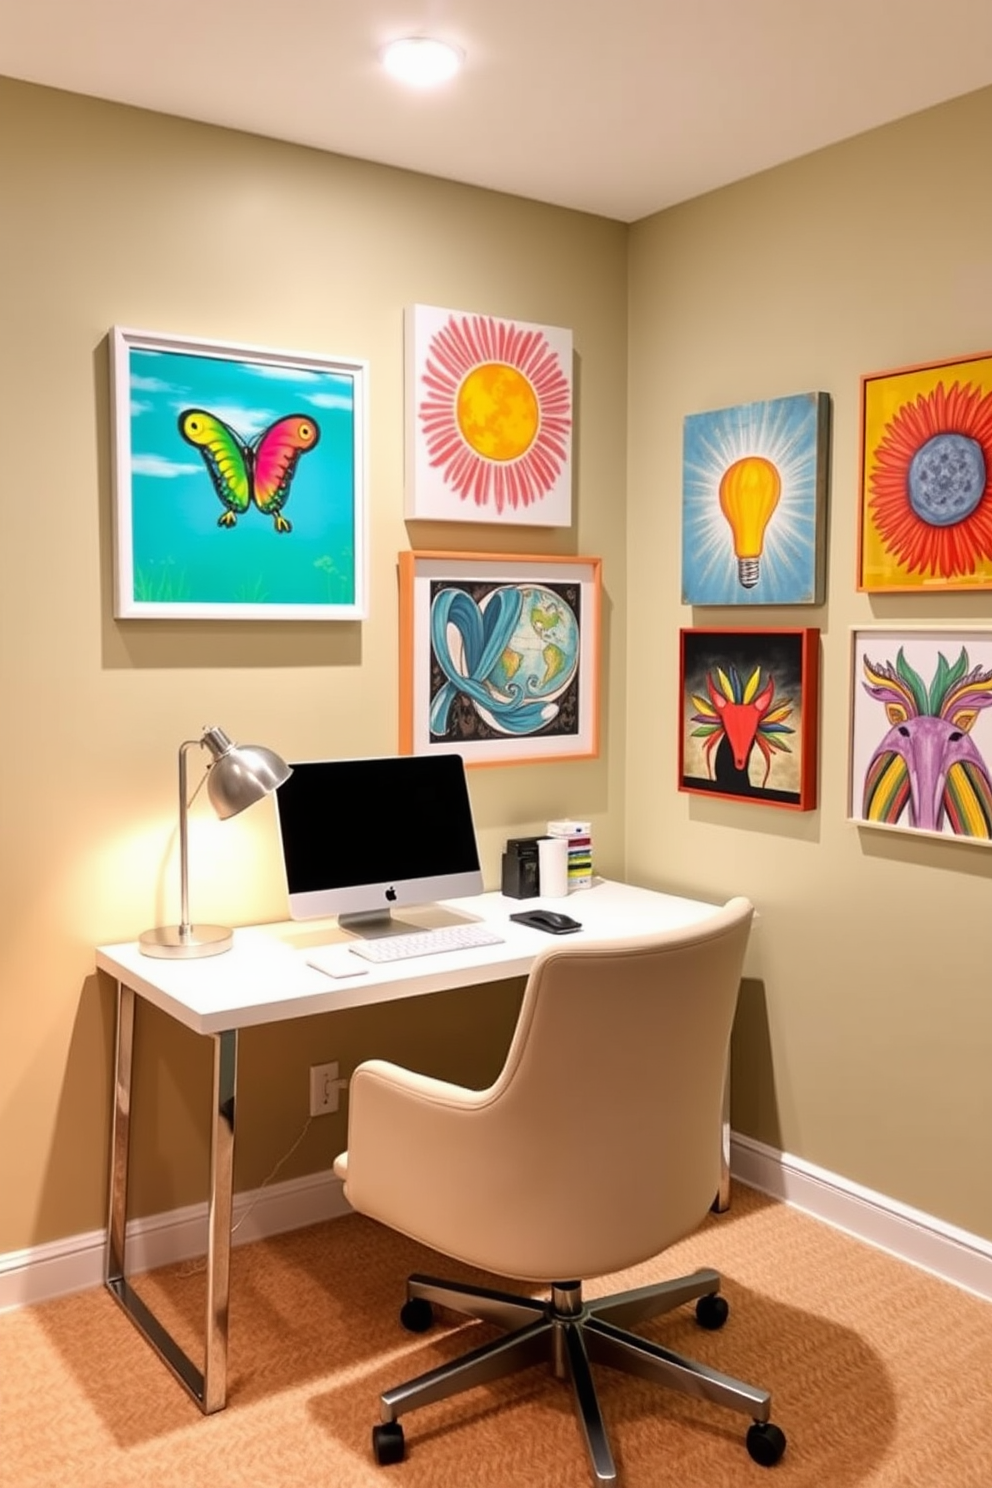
{"x":71,"y":1265}
{"x":909,"y":1234}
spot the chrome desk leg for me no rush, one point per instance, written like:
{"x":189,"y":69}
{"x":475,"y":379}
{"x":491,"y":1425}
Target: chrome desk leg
{"x":722,"y":1201}
{"x":219,"y":1220}
{"x":209,"y":1386}
{"x":120,"y":1136}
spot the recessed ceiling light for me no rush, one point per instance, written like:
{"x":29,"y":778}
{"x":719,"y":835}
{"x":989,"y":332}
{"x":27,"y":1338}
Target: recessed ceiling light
{"x":420,"y":61}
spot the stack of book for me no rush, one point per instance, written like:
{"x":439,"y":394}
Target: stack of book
{"x":579,"y":834}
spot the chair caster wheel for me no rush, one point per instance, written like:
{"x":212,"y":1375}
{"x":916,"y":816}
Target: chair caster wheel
{"x":417,"y":1315}
{"x":388,"y":1445}
{"x":765,"y":1443}
{"x":712,"y":1311}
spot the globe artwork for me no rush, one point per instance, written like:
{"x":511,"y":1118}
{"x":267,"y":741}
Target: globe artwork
{"x":512,"y":655}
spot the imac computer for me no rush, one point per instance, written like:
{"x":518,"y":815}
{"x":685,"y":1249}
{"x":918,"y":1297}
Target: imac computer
{"x":361,"y":837}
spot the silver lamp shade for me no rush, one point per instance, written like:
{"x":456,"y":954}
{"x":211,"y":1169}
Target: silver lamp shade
{"x":237,"y":776}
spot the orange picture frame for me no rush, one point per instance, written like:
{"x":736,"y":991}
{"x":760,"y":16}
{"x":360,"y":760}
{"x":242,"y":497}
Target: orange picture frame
{"x":499,"y":656}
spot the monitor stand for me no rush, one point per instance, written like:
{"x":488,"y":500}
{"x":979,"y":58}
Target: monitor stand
{"x":373,"y":924}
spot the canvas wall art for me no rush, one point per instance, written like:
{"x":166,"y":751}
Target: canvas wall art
{"x":489,"y":419}
{"x":754,"y":494}
{"x":926,"y":478}
{"x":239,"y":481}
{"x":499,"y":656}
{"x":748,"y":715}
{"x":921,"y":731}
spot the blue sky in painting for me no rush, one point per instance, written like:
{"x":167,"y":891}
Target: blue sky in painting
{"x":180,"y":554}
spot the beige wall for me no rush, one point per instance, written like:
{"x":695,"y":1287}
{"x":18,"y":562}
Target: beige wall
{"x":115,"y":216}
{"x":864,"y":1046}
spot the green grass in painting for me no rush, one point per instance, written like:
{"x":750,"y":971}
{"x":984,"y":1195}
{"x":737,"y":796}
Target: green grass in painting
{"x":165,"y":585}
{"x":338,"y":584}
{"x":252,"y":591}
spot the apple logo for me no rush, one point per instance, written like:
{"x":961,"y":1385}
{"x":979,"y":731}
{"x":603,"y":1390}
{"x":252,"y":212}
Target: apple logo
{"x":390,"y":895}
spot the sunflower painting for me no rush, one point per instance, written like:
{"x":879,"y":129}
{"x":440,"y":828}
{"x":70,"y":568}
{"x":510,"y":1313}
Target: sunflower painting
{"x":926,"y":489}
{"x":489,"y":419}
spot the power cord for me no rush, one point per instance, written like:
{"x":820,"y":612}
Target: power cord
{"x":192,"y":1268}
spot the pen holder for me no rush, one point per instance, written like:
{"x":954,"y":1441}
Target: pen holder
{"x":552,"y":867}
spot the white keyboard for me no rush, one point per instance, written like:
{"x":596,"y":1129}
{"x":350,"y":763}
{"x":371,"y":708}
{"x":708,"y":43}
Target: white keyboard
{"x":425,"y":942}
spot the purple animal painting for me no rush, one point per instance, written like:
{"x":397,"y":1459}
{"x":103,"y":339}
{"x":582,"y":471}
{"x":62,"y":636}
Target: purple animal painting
{"x":927,"y":765}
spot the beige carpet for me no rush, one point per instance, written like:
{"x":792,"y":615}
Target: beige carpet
{"x":880,"y":1375}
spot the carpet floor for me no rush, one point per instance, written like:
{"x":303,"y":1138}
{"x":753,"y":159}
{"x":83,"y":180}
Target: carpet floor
{"x":881,"y":1375}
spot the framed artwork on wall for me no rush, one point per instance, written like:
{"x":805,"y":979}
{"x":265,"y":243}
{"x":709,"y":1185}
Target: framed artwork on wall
{"x":748,"y":715}
{"x":926,"y":478}
{"x":921,"y":731}
{"x":488,"y":419}
{"x":499,"y":656}
{"x":239,"y":481}
{"x":754,"y":498}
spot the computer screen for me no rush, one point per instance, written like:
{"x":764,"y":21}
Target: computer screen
{"x":361,"y":837}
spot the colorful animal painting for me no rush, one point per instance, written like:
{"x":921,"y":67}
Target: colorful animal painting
{"x":244,"y":471}
{"x":748,"y":715}
{"x":927,"y":766}
{"x":278,"y":440}
{"x":736,"y":717}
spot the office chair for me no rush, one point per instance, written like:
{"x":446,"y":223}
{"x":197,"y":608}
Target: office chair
{"x":597,"y":1147}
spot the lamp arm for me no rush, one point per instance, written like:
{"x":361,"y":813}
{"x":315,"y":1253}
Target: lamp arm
{"x":184,"y":924}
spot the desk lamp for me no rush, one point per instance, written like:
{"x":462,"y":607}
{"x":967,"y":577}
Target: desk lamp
{"x":237,"y":776}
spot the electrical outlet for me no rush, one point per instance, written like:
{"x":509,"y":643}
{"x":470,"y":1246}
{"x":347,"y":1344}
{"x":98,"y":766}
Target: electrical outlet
{"x":325,"y":1088}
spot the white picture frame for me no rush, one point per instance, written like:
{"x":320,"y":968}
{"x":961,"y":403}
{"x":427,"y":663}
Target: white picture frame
{"x":489,"y":419}
{"x":920,"y":756}
{"x":239,"y":481}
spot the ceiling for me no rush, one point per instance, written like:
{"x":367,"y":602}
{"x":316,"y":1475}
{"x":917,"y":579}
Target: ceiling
{"x":618,"y":108}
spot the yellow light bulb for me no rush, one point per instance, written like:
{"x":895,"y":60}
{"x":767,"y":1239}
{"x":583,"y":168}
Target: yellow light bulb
{"x":749,"y":492}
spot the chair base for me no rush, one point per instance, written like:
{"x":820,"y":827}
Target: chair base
{"x":569,"y":1333}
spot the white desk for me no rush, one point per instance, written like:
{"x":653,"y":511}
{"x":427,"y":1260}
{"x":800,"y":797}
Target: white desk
{"x":265,"y":978}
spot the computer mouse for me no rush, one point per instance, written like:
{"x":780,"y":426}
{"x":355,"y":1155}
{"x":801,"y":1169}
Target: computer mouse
{"x":550,"y":920}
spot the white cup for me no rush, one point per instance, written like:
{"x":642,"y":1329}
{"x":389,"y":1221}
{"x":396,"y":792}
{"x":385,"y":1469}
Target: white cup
{"x":552,"y":867}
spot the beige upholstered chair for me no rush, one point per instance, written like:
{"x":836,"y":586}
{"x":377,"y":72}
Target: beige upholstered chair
{"x":597,"y":1147}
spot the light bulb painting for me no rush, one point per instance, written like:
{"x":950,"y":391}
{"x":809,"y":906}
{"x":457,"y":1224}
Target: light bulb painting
{"x":922,"y":732}
{"x":489,"y":419}
{"x":748,"y":715}
{"x":926,"y":491}
{"x":754,"y":502}
{"x":749,"y":493}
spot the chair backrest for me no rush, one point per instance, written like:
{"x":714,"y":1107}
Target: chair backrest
{"x":600,"y":1138}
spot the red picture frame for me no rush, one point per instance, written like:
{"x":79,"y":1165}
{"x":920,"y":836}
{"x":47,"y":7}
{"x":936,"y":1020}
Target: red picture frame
{"x":748,"y":704}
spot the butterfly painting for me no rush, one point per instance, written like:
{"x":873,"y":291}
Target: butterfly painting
{"x":242,"y":473}
{"x":239,"y":481}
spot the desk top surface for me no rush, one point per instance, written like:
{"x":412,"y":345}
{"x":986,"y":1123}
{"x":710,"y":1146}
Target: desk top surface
{"x":265,"y":977}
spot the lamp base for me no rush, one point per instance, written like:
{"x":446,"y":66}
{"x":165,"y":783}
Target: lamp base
{"x":185,"y":942}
